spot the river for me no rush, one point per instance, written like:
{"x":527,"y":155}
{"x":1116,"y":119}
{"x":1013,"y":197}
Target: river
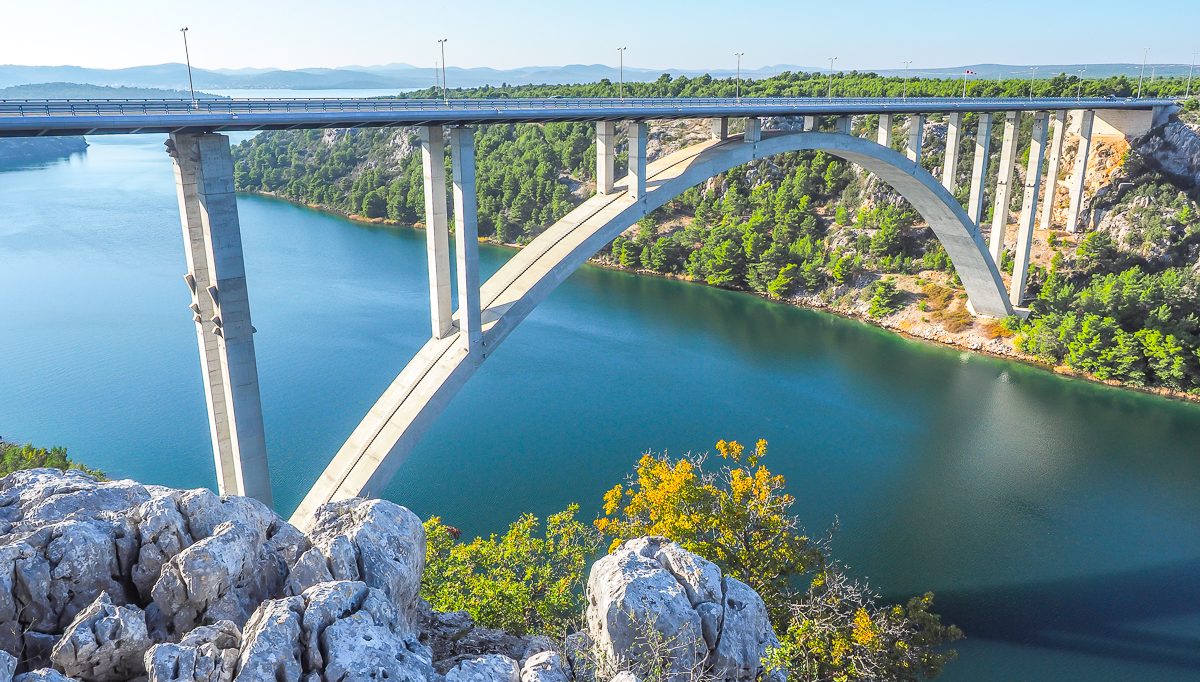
{"x":1057,"y":520}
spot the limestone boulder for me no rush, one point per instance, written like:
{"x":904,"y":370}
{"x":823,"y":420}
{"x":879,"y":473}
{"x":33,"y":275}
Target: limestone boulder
{"x":490,"y":668}
{"x":104,"y":643}
{"x":207,"y":654}
{"x":8,"y":666}
{"x":547,"y":666}
{"x":43,"y":675}
{"x":745,"y":636}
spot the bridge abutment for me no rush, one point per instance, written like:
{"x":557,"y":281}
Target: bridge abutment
{"x":221,"y":310}
{"x":1029,"y":209}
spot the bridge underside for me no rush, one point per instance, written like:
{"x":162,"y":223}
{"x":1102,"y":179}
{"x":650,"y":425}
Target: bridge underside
{"x":377,"y":447}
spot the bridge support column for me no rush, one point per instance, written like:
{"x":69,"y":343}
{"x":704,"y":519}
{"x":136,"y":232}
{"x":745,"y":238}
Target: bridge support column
{"x":1029,"y":212}
{"x":810,"y":123}
{"x":1086,"y":121}
{"x":753,"y":130}
{"x":606,"y":156}
{"x":842,"y":124}
{"x":466,"y":237}
{"x":220,"y":306}
{"x":979,"y":167}
{"x":885,"y":130}
{"x":720,"y":128}
{"x":437,"y":237}
{"x":916,"y":136}
{"x":950,"y":166}
{"x":1059,"y":129}
{"x":1008,"y":159}
{"x":638,"y":135}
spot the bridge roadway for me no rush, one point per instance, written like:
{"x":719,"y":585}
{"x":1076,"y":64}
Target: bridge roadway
{"x":50,"y":117}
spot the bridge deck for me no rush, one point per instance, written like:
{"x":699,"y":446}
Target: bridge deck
{"x":46,"y":117}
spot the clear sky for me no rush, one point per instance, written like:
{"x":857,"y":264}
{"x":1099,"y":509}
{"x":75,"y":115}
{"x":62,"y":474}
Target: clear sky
{"x":696,"y":34}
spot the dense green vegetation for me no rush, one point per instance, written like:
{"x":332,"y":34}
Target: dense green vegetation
{"x":734,"y":512}
{"x":799,"y":224}
{"x":19,"y":456}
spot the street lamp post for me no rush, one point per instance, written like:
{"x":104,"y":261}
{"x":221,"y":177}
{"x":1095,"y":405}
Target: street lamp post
{"x":829,"y":91}
{"x":1032,"y":76}
{"x":904,"y":93}
{"x":966,"y":72}
{"x":1145,"y":57}
{"x":445,"y":93}
{"x":1079,"y":85}
{"x":188,"y":58}
{"x":739,"y":75}
{"x":621,"y":59}
{"x":1190,"y":70}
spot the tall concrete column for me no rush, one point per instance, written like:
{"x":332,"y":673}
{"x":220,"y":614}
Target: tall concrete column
{"x":842,"y":124}
{"x":720,"y":128}
{"x":1058,"y":132}
{"x":637,"y":134}
{"x":810,"y":123}
{"x":1008,"y":159}
{"x":753,"y":130}
{"x":950,"y":167}
{"x":885,"y":130}
{"x":1029,"y":205}
{"x":916,"y":136}
{"x":220,"y":306}
{"x":979,"y":167}
{"x":437,"y":237}
{"x":1078,"y":175}
{"x":606,"y":156}
{"x":466,"y":236}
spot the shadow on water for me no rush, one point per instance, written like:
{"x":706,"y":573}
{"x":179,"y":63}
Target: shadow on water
{"x":1098,"y":615}
{"x":10,"y":165}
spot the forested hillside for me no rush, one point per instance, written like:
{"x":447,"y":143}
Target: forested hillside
{"x":1118,"y":303}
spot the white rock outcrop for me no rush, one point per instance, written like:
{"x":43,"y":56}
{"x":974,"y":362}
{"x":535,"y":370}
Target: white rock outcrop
{"x":490,"y":668}
{"x":104,"y":643}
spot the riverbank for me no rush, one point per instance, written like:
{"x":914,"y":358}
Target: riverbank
{"x":982,"y":337}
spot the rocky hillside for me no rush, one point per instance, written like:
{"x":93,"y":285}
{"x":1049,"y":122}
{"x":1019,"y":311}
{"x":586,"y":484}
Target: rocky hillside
{"x":108,"y":581}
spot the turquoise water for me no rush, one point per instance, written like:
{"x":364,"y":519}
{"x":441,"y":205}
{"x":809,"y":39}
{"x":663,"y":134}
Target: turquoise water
{"x":1058,"y":521}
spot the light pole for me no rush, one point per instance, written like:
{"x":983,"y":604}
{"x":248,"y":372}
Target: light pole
{"x":1079,"y":85}
{"x":966,"y":72}
{"x":188,"y":58}
{"x":1032,"y":75}
{"x":445,"y":93}
{"x":739,"y":75}
{"x":1190,"y":70}
{"x":829,"y":91}
{"x":1145,"y":56}
{"x":904,"y":93}
{"x":621,"y":59}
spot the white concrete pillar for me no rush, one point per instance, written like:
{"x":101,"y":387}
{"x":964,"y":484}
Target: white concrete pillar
{"x":437,"y":238}
{"x":221,"y":310}
{"x":979,"y":167}
{"x":1029,"y":205}
{"x":916,"y":136}
{"x":1008,"y":159}
{"x":466,"y":236}
{"x":1057,"y":133}
{"x":720,"y":128}
{"x":885,"y":130}
{"x":1079,"y":174}
{"x":637,"y":134}
{"x":606,"y":156}
{"x":810,"y":123}
{"x":753,"y":130}
{"x":843,"y":124}
{"x":950,"y":166}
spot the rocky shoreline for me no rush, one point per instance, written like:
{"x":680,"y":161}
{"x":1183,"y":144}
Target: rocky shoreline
{"x":111,"y":581}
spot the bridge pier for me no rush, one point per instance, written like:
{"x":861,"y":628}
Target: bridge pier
{"x":753,"y":130}
{"x":950,"y":166}
{"x":1029,"y":212}
{"x":916,"y":135}
{"x":720,"y":128}
{"x":810,"y":123}
{"x":606,"y":155}
{"x":842,"y":124}
{"x":1008,"y":160}
{"x":979,"y":167}
{"x":466,"y":238}
{"x":1059,"y":129}
{"x":437,"y":233}
{"x":638,"y":135}
{"x":884,"y":136}
{"x":220,"y":306}
{"x":1087,"y":120}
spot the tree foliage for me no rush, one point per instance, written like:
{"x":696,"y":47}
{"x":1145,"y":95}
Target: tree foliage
{"x":19,"y":456}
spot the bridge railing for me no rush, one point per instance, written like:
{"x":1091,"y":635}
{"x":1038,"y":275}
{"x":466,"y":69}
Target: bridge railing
{"x":228,"y":107}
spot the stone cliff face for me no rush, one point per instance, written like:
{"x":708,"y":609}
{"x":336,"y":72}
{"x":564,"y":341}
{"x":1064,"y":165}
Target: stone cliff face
{"x":103,"y":582}
{"x":32,"y":149}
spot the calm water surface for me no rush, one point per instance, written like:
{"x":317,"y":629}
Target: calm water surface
{"x":1058,"y":521}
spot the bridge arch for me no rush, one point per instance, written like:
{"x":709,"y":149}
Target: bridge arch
{"x":379,"y":444}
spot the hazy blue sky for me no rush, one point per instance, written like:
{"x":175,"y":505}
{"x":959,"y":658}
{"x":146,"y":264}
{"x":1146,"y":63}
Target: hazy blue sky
{"x":659,"y":34}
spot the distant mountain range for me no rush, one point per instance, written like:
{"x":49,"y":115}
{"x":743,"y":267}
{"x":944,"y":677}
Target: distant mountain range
{"x":401,"y":76}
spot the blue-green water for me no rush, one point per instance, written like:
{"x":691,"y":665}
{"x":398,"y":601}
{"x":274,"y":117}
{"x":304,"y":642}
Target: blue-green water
{"x":1058,"y":521}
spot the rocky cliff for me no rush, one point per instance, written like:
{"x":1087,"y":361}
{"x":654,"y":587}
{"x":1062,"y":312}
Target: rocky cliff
{"x":108,"y":581}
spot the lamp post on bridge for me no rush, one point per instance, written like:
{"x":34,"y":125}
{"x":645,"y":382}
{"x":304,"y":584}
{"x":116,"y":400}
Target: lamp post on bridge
{"x":1190,"y":70}
{"x":188,"y":58}
{"x":1079,"y":85}
{"x":445,"y":93}
{"x":829,"y":91}
{"x":621,"y":60}
{"x":738,"y":92}
{"x":1145,"y":57}
{"x":904,"y":90}
{"x":966,"y":72}
{"x":1032,"y":76}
